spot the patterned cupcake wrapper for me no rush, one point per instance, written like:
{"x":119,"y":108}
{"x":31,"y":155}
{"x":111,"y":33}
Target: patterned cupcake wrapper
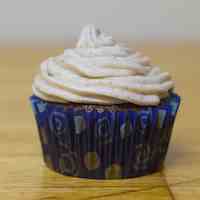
{"x":106,"y":144}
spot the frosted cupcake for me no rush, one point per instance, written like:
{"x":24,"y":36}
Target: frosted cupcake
{"x":103,"y":111}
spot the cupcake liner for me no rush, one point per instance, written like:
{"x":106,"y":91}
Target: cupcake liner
{"x":105,"y":144}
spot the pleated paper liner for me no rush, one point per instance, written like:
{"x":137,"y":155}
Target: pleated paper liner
{"x":105,"y":144}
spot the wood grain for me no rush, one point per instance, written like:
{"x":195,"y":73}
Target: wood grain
{"x":187,"y":190}
{"x":23,"y":174}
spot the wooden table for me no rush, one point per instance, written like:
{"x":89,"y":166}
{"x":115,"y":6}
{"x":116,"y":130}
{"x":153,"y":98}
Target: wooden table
{"x":22,"y":171}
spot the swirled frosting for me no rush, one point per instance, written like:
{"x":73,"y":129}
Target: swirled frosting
{"x":101,"y":71}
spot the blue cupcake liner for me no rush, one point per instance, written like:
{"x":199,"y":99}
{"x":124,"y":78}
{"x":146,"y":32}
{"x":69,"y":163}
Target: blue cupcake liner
{"x":105,"y":144}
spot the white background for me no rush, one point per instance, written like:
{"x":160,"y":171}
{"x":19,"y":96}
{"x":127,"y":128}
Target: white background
{"x":50,"y":20}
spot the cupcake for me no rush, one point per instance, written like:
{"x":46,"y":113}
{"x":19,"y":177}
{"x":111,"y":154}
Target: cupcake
{"x":102,"y":110}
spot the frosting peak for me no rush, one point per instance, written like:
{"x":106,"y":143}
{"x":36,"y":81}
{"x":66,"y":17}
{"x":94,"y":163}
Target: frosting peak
{"x":101,"y":71}
{"x":92,"y":37}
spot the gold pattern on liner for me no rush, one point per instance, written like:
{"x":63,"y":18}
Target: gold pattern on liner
{"x":92,"y":160}
{"x":113,"y":172}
